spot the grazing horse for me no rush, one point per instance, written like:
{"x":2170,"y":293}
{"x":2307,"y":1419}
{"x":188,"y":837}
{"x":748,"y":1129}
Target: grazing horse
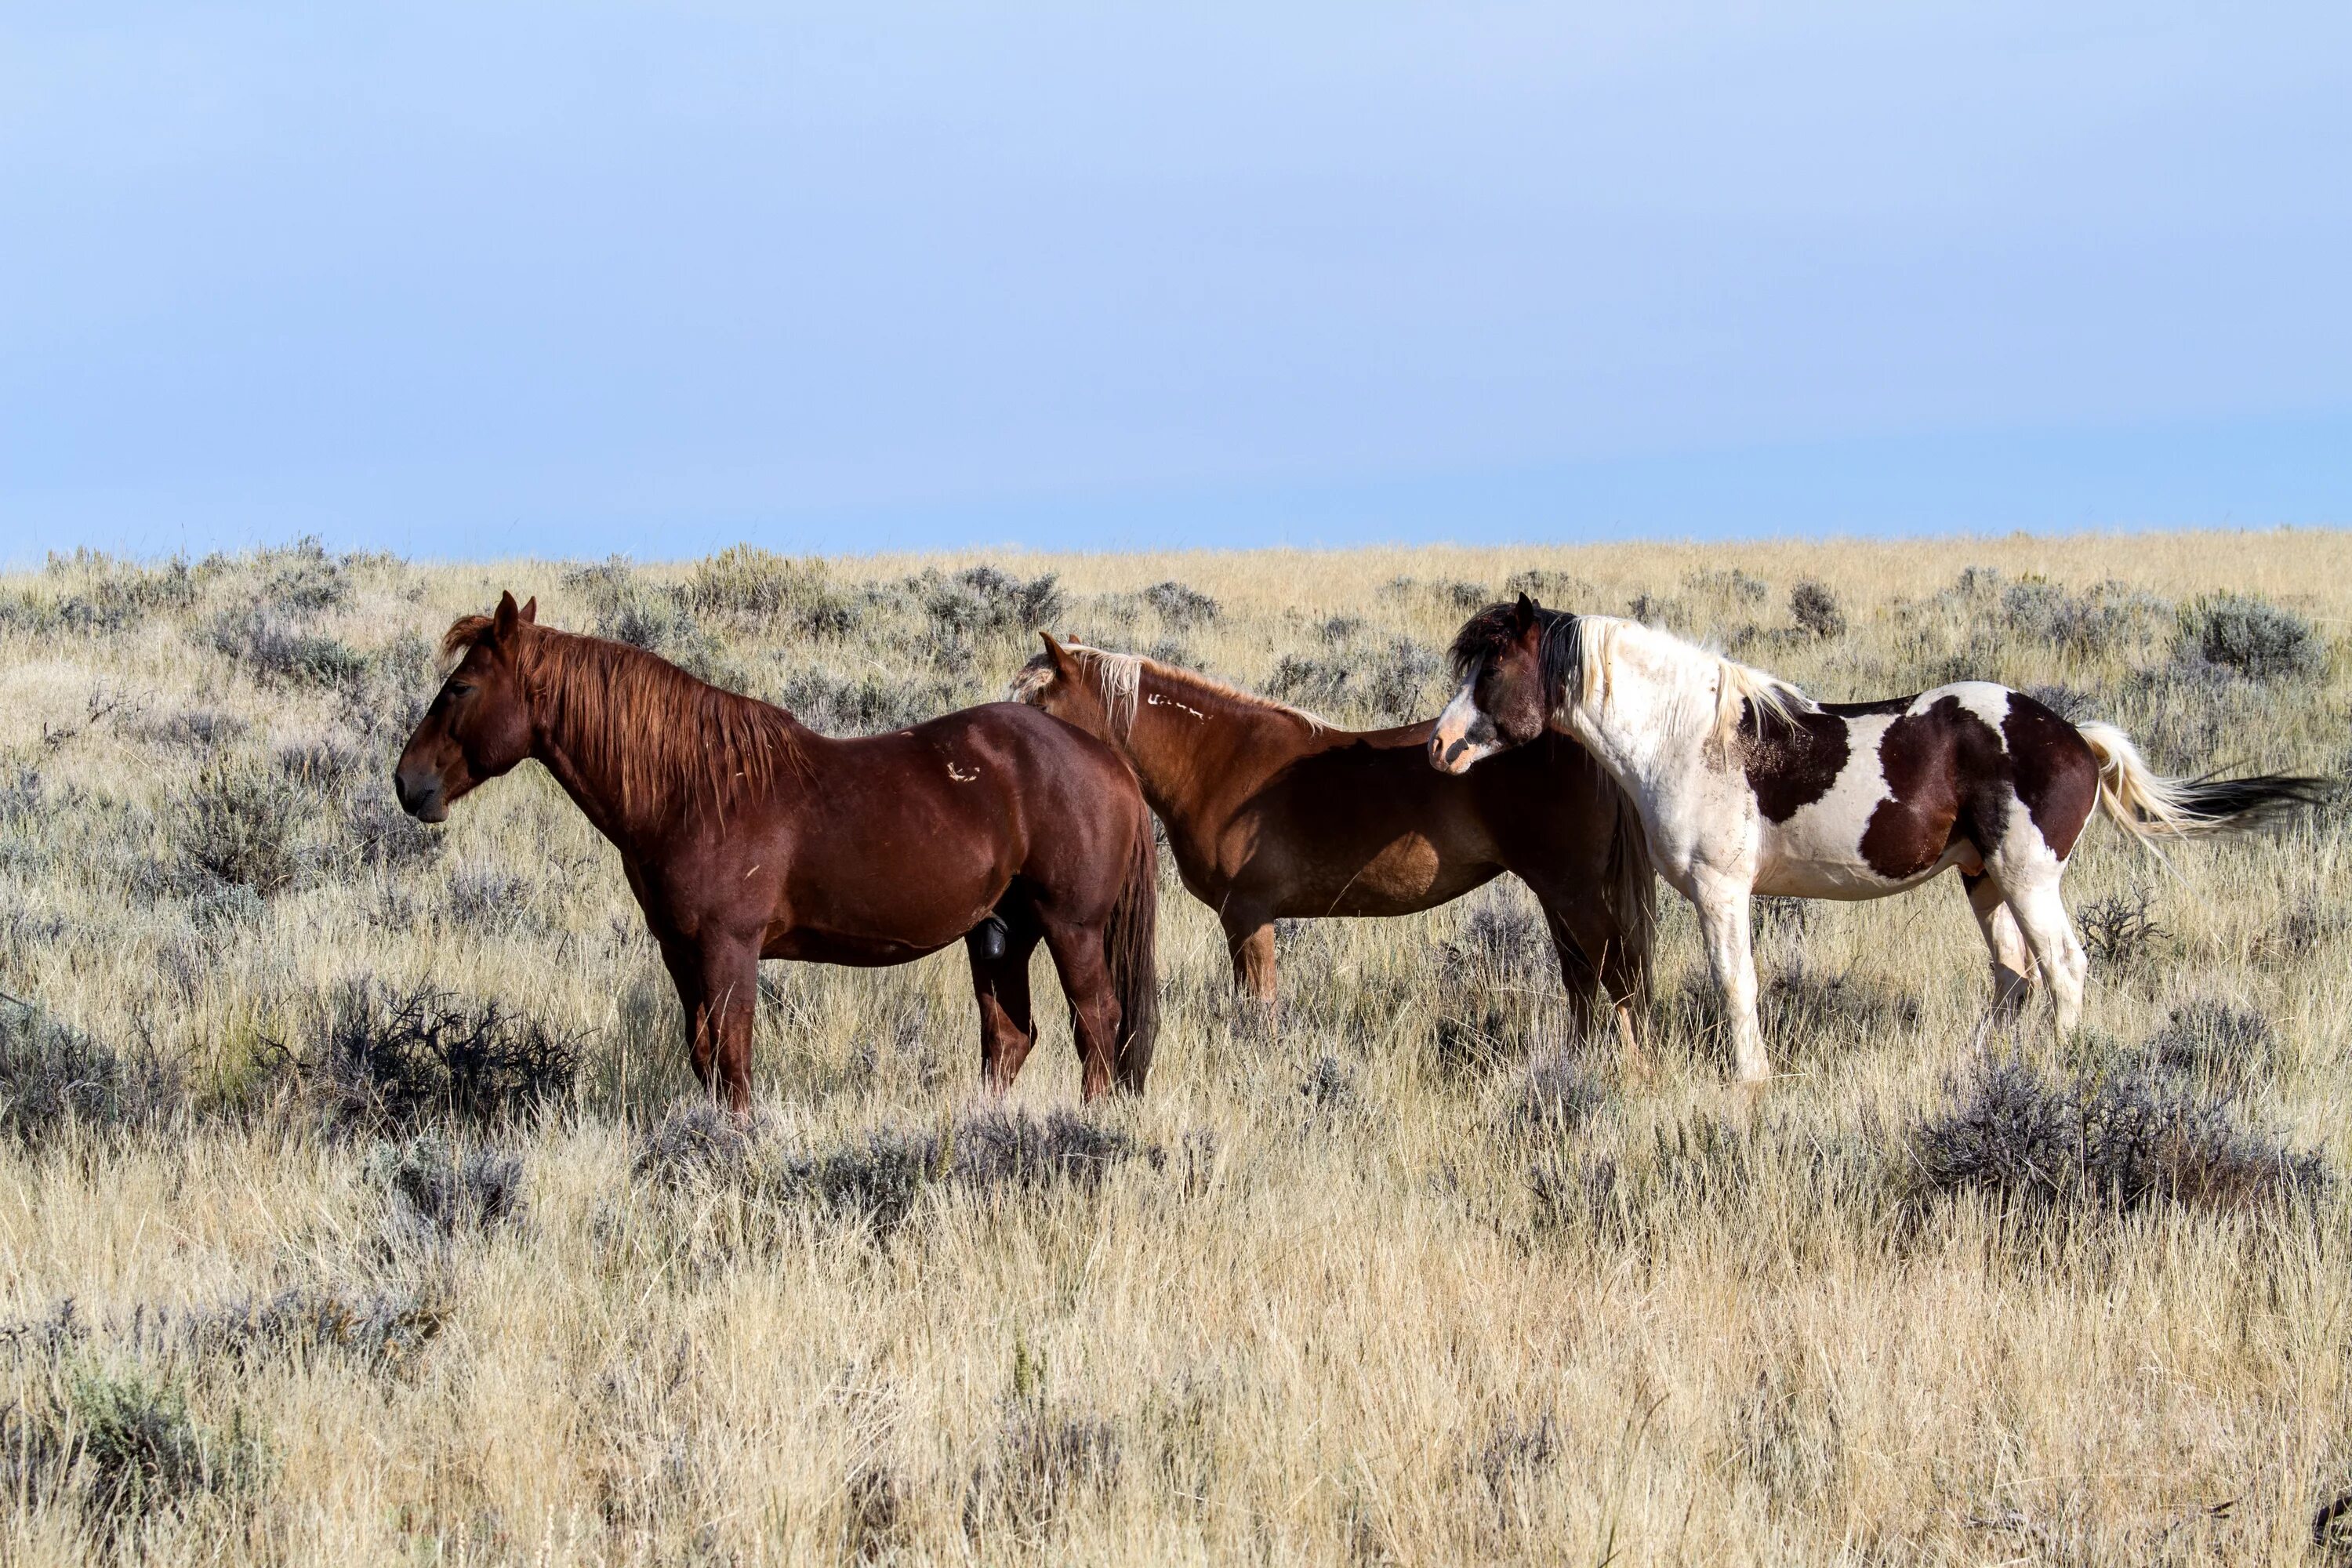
{"x":1746,"y":787}
{"x":745,"y":834}
{"x":1271,"y":814}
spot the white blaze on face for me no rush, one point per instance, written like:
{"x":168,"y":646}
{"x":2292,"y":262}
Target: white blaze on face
{"x":1464,"y":735}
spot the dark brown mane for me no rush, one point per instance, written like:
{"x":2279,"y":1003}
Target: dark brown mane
{"x":671,"y":743}
{"x":1559,"y":650}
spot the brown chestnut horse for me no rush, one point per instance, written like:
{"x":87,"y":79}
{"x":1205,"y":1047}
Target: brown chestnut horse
{"x":746,"y":834}
{"x":1272,"y":813}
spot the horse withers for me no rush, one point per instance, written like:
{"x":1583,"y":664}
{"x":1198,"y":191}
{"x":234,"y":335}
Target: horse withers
{"x":1746,"y":787}
{"x":745,"y":834}
{"x":1271,"y":814}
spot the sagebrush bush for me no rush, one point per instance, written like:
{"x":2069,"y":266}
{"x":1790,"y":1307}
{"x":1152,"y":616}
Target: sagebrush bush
{"x":1388,"y":682}
{"x":1043,"y":1458}
{"x":440,"y":1193}
{"x":1181,"y":607}
{"x":277,"y":650}
{"x":2110,"y":1141}
{"x":121,"y":1444}
{"x":879,"y":1177}
{"x":241,"y":826}
{"x":867,"y":703}
{"x":2233,"y":1043}
{"x":2253,"y":637}
{"x":1815,"y":609}
{"x":2105,"y":618}
{"x":54,"y":1078}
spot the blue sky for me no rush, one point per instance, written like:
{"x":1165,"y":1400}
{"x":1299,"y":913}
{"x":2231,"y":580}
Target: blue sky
{"x":477,"y":279}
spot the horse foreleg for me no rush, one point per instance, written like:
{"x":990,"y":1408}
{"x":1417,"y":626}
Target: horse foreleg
{"x":722,"y":1043}
{"x":684,"y":961}
{"x":1722,"y":906}
{"x":1249,"y":938}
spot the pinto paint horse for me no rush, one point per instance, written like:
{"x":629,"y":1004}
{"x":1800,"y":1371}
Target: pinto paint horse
{"x":1271,"y":814}
{"x":746,"y":834}
{"x":1746,"y":787}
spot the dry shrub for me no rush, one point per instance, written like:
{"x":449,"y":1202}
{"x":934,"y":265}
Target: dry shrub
{"x":1816,"y":610}
{"x":2109,"y":1143}
{"x":879,"y":1178}
{"x":1182,"y":608}
{"x":377,"y":1060}
{"x":55,"y":1077}
{"x":2250,"y":635}
{"x":2118,"y":930}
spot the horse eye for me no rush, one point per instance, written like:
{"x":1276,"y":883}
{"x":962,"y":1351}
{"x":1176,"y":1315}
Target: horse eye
{"x":461,"y":688}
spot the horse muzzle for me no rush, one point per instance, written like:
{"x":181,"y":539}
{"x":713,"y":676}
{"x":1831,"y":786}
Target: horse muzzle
{"x":423,"y":799}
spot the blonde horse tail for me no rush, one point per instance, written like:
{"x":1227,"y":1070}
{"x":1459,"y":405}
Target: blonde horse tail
{"x":2150,"y":806}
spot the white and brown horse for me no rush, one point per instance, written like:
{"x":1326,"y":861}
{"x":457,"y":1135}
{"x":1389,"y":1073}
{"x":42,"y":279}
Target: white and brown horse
{"x":1746,"y":787}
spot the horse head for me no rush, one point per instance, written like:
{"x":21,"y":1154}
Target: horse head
{"x":479,"y":724}
{"x":1505,"y":698}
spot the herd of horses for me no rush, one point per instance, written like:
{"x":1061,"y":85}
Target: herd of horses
{"x":1584,"y":755}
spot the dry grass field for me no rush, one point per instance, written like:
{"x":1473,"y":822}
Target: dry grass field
{"x":353,"y":1208}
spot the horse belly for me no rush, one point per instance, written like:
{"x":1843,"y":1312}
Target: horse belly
{"x":1817,"y":853}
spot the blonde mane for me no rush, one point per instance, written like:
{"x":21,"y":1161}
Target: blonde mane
{"x":1736,"y":685}
{"x":1119,"y":680}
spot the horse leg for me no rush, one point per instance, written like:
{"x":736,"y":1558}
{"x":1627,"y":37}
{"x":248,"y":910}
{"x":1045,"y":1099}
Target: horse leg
{"x":1000,"y":983}
{"x":1249,"y":938}
{"x":1078,"y":952}
{"x":1590,"y":956}
{"x":684,"y":961}
{"x":2012,"y":966}
{"x":2058,"y":956}
{"x":1722,"y":907}
{"x":731,"y":996}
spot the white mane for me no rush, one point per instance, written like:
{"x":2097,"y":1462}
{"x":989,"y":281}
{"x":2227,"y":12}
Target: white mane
{"x":1699,"y":674}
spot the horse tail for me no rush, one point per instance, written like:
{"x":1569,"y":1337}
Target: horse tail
{"x":1629,"y":889}
{"x":1130,"y":944}
{"x":2150,"y":806}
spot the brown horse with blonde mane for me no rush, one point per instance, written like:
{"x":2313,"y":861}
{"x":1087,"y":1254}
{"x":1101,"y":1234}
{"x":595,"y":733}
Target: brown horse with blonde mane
{"x":746,"y":834}
{"x":1271,"y":814}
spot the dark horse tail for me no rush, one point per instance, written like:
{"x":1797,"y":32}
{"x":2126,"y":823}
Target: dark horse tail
{"x":1131,"y":947}
{"x":1629,"y":892}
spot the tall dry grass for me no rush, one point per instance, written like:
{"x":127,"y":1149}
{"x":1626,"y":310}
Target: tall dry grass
{"x":1403,"y":1277}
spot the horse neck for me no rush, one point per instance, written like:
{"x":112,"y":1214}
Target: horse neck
{"x":595,"y":772}
{"x":1186,"y":740}
{"x":1647,"y":721}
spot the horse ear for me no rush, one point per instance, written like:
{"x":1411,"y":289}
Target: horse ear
{"x":531,"y":610}
{"x":1525,"y":612}
{"x":1057,"y":653}
{"x":506,"y":618}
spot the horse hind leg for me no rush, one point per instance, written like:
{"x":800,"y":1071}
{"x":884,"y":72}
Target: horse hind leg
{"x":2012,"y":964}
{"x":1085,"y":974}
{"x":998,"y":949}
{"x":2049,"y":931}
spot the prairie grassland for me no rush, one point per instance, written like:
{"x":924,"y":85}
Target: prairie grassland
{"x":348,"y":1211}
